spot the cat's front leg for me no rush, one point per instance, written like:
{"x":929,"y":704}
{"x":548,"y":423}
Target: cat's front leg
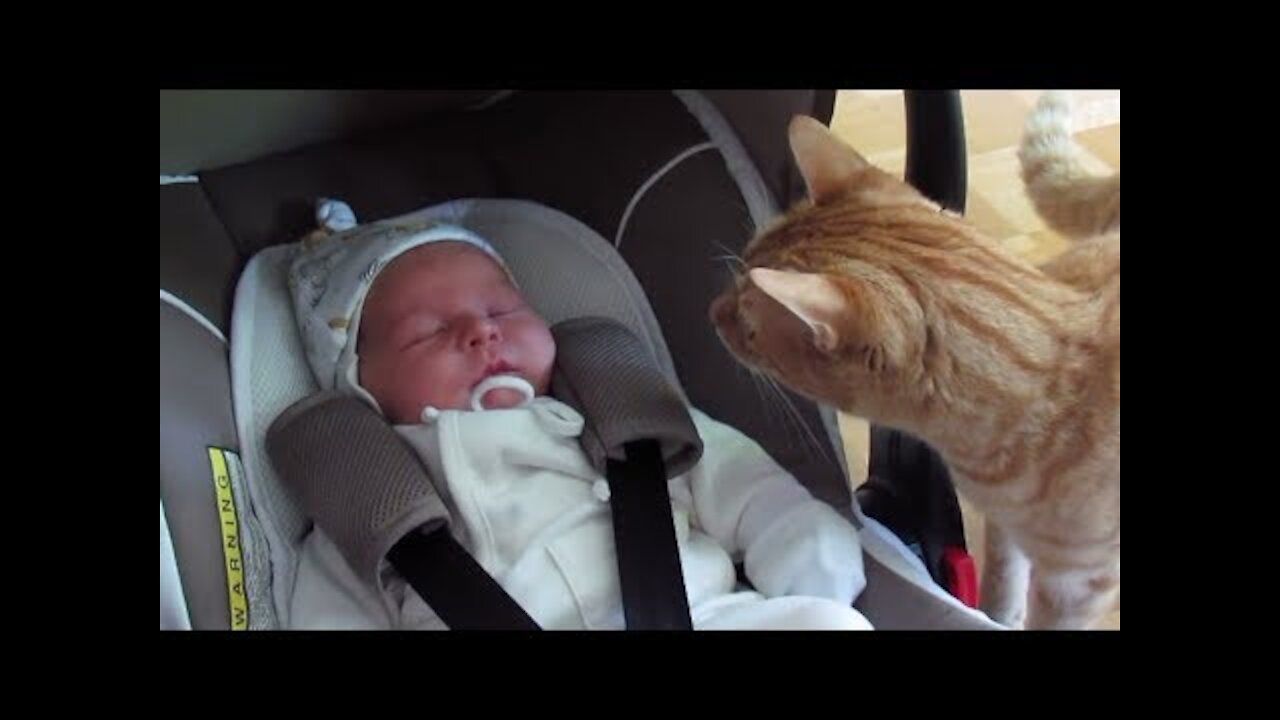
{"x":1005,"y":578}
{"x":1072,"y":599}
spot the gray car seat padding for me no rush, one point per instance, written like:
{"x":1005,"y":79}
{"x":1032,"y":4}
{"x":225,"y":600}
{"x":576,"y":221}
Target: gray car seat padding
{"x":195,"y":417}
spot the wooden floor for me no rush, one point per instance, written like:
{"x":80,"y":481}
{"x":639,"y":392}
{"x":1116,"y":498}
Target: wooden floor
{"x":873,"y":122}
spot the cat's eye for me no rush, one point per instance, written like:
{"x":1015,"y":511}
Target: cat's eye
{"x":874,"y":358}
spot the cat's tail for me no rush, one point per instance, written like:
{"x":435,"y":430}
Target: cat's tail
{"x":1072,"y":200}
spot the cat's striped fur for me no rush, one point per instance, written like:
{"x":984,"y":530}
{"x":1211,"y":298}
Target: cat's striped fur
{"x":869,"y":298}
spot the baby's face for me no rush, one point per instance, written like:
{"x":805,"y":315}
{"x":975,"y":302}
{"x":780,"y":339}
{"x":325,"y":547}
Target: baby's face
{"x":438,"y":320}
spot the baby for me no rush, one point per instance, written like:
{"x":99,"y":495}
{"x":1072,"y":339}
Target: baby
{"x":427,"y":325}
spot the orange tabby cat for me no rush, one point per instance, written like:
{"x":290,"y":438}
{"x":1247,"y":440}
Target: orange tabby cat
{"x":869,"y":298}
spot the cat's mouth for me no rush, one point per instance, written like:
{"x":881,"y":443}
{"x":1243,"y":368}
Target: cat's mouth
{"x":722,"y":310}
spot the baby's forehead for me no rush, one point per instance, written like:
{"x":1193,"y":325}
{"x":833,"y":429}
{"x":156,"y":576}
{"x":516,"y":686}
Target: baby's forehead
{"x":447,"y":258}
{"x":444,"y":252}
{"x":451,"y":268}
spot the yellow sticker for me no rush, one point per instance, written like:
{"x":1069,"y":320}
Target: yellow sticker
{"x":222,"y":462}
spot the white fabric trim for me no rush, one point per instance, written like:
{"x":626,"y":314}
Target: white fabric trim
{"x":178,"y":179}
{"x":644,"y":188}
{"x":900,"y":559}
{"x":760,"y":202}
{"x":252,"y":291}
{"x":166,"y":296}
{"x":173,"y":603}
{"x":880,"y":542}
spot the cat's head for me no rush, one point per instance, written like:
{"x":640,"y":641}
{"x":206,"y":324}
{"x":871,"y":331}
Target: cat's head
{"x":829,"y":300}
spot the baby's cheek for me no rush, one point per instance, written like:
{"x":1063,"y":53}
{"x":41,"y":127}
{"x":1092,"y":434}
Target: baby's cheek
{"x":534,"y":342}
{"x":438,"y":384}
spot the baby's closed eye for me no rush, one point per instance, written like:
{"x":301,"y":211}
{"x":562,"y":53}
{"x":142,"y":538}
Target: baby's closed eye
{"x":423,"y":334}
{"x":505,"y":309}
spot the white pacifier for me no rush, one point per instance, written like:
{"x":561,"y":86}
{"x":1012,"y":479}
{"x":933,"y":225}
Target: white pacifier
{"x":495,"y":382}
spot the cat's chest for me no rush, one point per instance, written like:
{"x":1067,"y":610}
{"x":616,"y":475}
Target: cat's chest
{"x":1050,"y":502}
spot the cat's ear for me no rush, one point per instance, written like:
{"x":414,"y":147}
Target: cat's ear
{"x":813,"y":298}
{"x":826,"y":163}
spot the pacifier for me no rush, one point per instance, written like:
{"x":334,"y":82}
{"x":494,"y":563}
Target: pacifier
{"x":497,"y":382}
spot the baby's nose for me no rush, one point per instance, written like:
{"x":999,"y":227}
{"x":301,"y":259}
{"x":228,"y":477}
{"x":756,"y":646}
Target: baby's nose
{"x":482,"y":331}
